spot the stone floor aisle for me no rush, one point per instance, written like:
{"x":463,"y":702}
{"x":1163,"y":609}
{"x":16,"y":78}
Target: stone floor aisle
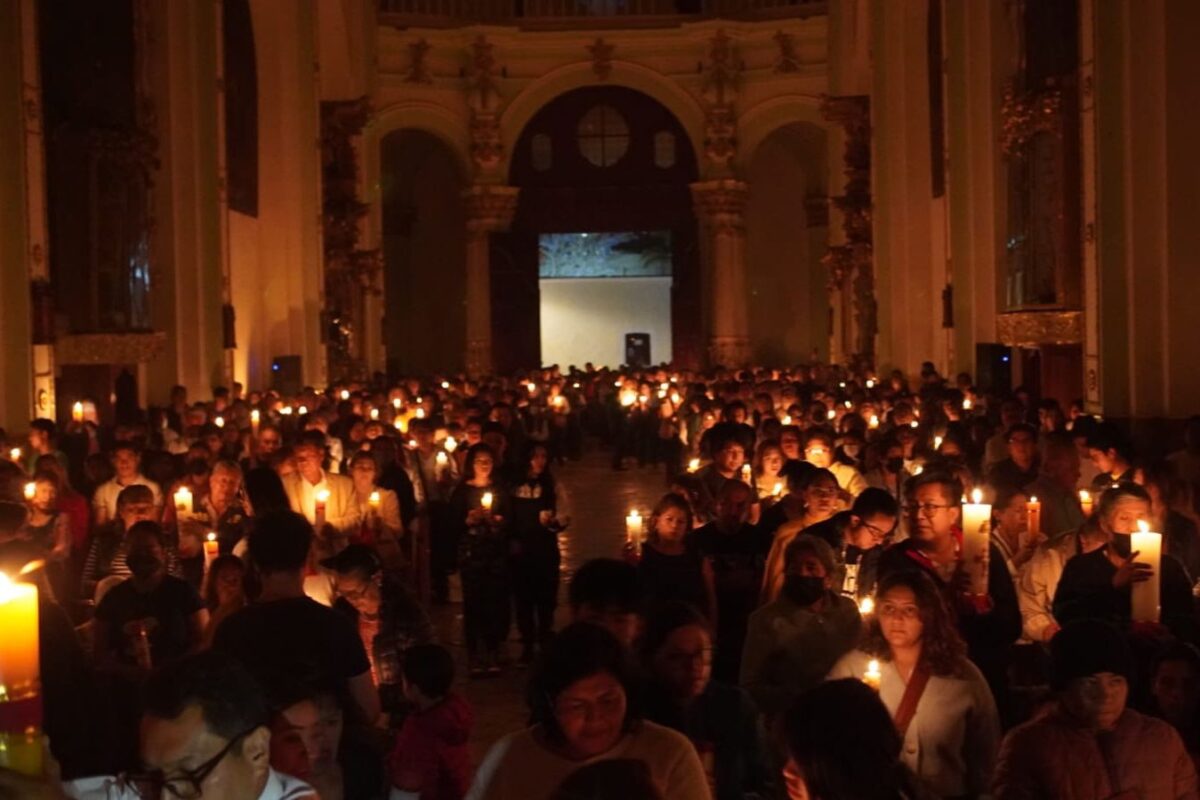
{"x":599,"y":499}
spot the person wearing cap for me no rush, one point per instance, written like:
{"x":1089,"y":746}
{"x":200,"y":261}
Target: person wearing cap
{"x":388,"y":619}
{"x":1089,"y":744}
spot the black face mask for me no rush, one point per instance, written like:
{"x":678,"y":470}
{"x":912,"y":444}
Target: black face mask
{"x":803,"y":590}
{"x":894,"y":464}
{"x":143,"y":566}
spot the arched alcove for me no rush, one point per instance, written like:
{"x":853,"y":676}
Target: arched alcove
{"x":612,"y":161}
{"x":787,"y":231}
{"x":421,"y":185}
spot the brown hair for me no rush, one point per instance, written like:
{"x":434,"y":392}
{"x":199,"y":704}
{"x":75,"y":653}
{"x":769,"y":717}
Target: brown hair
{"x":942,"y":649}
{"x":668,"y":501}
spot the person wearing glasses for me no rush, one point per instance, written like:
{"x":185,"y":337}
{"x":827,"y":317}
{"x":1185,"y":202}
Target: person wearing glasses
{"x":939,"y":701}
{"x":720,"y":719}
{"x":583,"y":709}
{"x":989,"y":623}
{"x":818,"y":451}
{"x":858,"y":537}
{"x":204,"y":734}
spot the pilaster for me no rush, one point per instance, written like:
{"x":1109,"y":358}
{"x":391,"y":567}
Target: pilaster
{"x":720,"y":206}
{"x":490,"y":209}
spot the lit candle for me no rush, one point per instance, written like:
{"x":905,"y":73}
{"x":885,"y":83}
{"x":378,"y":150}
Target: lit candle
{"x":531,"y":386}
{"x":286,"y":411}
{"x":914,"y":424}
{"x":1085,"y":502}
{"x":966,"y":404}
{"x":1148,"y":545}
{"x":302,"y":410}
{"x":345,"y":394}
{"x":219,"y":422}
{"x":30,"y":490}
{"x":15,"y":454}
{"x":255,"y":419}
{"x":396,"y":403}
{"x":374,"y":500}
{"x":20,"y":739}
{"x":441,"y":459}
{"x":662,"y":394}
{"x":777,"y":490}
{"x":937,"y":443}
{"x":831,"y":414}
{"x":412,"y":444}
{"x":1033,"y":508}
{"x":633,"y":529}
{"x":745,"y":473}
{"x":559,"y":400}
{"x":787,"y":419}
{"x":874,"y":423}
{"x":873,"y":677}
{"x":322,"y":501}
{"x":450,"y":444}
{"x":374,"y":413}
{"x":445,"y":384}
{"x":848,"y":404}
{"x":866,"y":607}
{"x":628,"y":397}
{"x":694,"y":465}
{"x":977,"y":517}
{"x":398,"y":424}
{"x":870,"y":383}
{"x":420,"y":413}
{"x":486,"y":501}
{"x":211,"y":549}
{"x":77,"y":412}
{"x":183,"y":501}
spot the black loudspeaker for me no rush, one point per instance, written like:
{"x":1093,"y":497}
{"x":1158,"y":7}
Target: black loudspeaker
{"x":993,"y":368}
{"x":287,"y":378}
{"x":637,"y":350}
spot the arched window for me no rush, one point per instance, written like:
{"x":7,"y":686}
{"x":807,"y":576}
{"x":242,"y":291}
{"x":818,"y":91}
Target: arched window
{"x":664,"y":149}
{"x":541,"y":152}
{"x":603,"y":136}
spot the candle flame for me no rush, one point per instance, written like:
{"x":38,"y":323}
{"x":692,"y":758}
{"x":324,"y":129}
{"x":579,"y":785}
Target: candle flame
{"x":212,"y":536}
{"x":831,"y":414}
{"x":396,"y":403}
{"x":450,"y":444}
{"x":693,"y":465}
{"x":373,"y":499}
{"x":486,"y":500}
{"x":345,"y":394}
{"x":255,"y":416}
{"x":323,"y":496}
{"x":866,"y":606}
{"x":914,"y":424}
{"x":976,"y":497}
{"x":937,"y":443}
{"x":873,"y":666}
{"x":445,"y":384}
{"x":787,"y":419}
{"x":303,"y":410}
{"x":874,"y":421}
{"x":374,"y":413}
{"x":778,"y":489}
{"x":1143,"y":526}
{"x":30,"y":490}
{"x":1033,"y":498}
{"x":219,"y":422}
{"x":1085,"y":496}
{"x":634,"y":516}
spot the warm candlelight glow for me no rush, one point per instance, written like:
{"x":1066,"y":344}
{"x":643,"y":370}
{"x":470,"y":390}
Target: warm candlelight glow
{"x":531,"y":386}
{"x":976,"y":539}
{"x":255,"y":416}
{"x":412,"y":444}
{"x":870,"y":383}
{"x":486,"y":501}
{"x":374,"y":500}
{"x":286,"y":411}
{"x":937,"y":443}
{"x":693,"y":465}
{"x":322,"y":497}
{"x":873,"y":677}
{"x":77,"y":412}
{"x":746,"y":472}
{"x":396,"y":403}
{"x":442,"y":459}
{"x":633,"y":529}
{"x":30,"y":490}
{"x":374,"y":413}
{"x":211,"y":549}
{"x":1085,"y":502}
{"x":450,"y":444}
{"x":345,"y":394}
{"x":20,"y":741}
{"x":874,"y":423}
{"x":1145,"y":594}
{"x":15,"y":454}
{"x":219,"y":422}
{"x":420,"y":413}
{"x":445,"y":384}
{"x":777,"y":490}
{"x":831,"y":414}
{"x":1033,"y":513}
{"x":303,"y":410}
{"x":183,"y":501}
{"x":787,"y":419}
{"x":866,"y":606}
{"x":914,"y":424}
{"x":976,"y":496}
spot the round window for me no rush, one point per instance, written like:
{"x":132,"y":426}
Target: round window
{"x":603,"y":136}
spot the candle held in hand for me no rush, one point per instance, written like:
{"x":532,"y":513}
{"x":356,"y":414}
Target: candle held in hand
{"x":322,"y":501}
{"x":20,"y":690}
{"x":374,"y":500}
{"x":183,"y":501}
{"x":1145,"y":594}
{"x":450,"y":444}
{"x":486,"y":501}
{"x":211,"y":550}
{"x":694,"y":465}
{"x":30,"y":491}
{"x":977,"y":517}
{"x":77,"y":412}
{"x":873,"y":677}
{"x":633,"y":529}
{"x":1033,"y":510}
{"x":255,"y":420}
{"x":1085,"y":502}
{"x":866,"y":607}
{"x":777,"y":490}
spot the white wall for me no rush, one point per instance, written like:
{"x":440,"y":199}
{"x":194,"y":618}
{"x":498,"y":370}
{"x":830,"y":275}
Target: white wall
{"x":586,"y":319}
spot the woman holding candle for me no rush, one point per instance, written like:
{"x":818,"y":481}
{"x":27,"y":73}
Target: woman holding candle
{"x":769,"y":483}
{"x":721,"y":720}
{"x":672,"y":569}
{"x":382,"y":527}
{"x":1097,"y":583}
{"x":480,"y":512}
{"x":1171,"y":512}
{"x":224,"y":591}
{"x":536,"y":558}
{"x":939,"y":700}
{"x":1010,"y":529}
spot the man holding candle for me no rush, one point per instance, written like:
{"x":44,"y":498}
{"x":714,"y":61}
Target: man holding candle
{"x":107,"y":552}
{"x":990,"y":622}
{"x":726,"y":465}
{"x":1056,"y":486}
{"x":1097,"y":583}
{"x":311,"y":484}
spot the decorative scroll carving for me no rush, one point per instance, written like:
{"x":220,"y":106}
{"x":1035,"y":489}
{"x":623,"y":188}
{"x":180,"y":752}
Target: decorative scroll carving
{"x":601,"y":52}
{"x":483,"y":98}
{"x":787,"y":60}
{"x":490,"y":208}
{"x":851,"y":265}
{"x":1036,"y":328}
{"x":350,"y":272}
{"x":721,"y":78}
{"x":1026,"y":114}
{"x":418,"y":69}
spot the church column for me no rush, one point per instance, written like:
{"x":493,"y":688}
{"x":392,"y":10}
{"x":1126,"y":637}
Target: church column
{"x":720,"y":206}
{"x":490,"y":210}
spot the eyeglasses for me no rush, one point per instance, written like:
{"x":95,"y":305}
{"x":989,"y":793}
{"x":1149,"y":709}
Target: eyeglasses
{"x":878,"y":533}
{"x":928,"y":509}
{"x":678,"y":659}
{"x":187,"y":785}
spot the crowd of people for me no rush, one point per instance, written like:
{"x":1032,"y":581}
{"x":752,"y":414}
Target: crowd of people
{"x":236,"y":592}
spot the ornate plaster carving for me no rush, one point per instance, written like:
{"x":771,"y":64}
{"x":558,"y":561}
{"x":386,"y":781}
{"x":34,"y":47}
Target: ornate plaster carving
{"x":601,"y":52}
{"x":418,"y":68}
{"x":110,"y":348}
{"x":1034,"y":328}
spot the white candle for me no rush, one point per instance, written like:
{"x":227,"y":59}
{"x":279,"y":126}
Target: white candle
{"x":694,"y":465}
{"x":450,"y":444}
{"x":30,"y":490}
{"x":977,"y":517}
{"x":322,"y":501}
{"x":255,"y":419}
{"x":633,"y":529}
{"x":1033,"y":509}
{"x":219,"y":422}
{"x":374,"y":413}
{"x":777,"y":490}
{"x":486,"y":501}
{"x":746,"y":473}
{"x":1148,"y":545}
{"x":873,"y":677}
{"x":20,"y":741}
{"x":866,"y":607}
{"x":77,"y":412}
{"x":1085,"y":502}
{"x":183,"y":501}
{"x":211,"y":550}
{"x":374,"y":500}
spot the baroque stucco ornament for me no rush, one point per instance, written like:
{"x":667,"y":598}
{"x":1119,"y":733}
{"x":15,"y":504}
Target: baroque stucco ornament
{"x":601,"y":52}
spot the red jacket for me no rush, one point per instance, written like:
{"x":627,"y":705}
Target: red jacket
{"x":431,"y":756}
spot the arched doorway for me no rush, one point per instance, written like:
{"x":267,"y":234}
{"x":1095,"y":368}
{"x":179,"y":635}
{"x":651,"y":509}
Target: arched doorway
{"x":787,"y":232}
{"x":604,"y":173}
{"x":424,"y":254}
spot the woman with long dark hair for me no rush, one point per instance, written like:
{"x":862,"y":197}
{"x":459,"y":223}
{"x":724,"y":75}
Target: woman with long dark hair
{"x":938,"y":699}
{"x":479,"y":510}
{"x":536,"y":559}
{"x":672,"y":568}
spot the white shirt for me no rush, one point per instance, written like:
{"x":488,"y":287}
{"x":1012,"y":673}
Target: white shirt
{"x":106,"y":494}
{"x":105,"y":787}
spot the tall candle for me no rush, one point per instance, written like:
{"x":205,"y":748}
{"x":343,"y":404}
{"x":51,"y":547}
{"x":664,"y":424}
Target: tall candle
{"x":20,"y":704}
{"x":1085,"y":502}
{"x":1148,"y":545}
{"x":694,"y":465}
{"x":873,"y":677}
{"x":183,"y":501}
{"x":746,"y":473}
{"x":1033,"y":508}
{"x":374,"y":500}
{"x":777,"y":490}
{"x":977,"y":517}
{"x":211,"y":549}
{"x":255,"y":420}
{"x":450,"y":444}
{"x":77,"y":412}
{"x":322,"y":501}
{"x":30,"y":491}
{"x":633,"y":529}
{"x":486,"y":501}
{"x":15,"y":454}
